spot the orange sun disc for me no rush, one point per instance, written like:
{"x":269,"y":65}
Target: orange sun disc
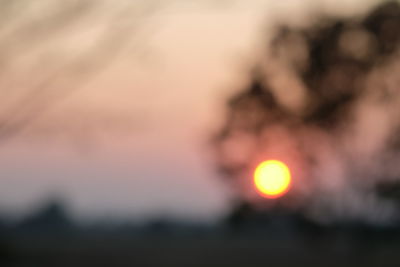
{"x":272,"y":178}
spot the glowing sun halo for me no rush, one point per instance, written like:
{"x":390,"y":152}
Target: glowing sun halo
{"x":272,"y":178}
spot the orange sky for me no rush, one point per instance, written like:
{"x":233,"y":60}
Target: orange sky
{"x":131,"y":142}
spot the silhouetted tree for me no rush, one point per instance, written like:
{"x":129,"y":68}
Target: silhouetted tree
{"x":52,"y":218}
{"x":309,"y":88}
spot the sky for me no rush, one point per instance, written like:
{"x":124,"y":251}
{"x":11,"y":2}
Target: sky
{"x":132,"y":141}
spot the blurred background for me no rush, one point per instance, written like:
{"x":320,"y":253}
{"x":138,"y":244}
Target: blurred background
{"x":130,"y":132}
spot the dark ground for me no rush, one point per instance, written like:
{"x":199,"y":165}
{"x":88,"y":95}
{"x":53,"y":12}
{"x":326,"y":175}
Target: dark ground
{"x":48,"y":238}
{"x":208,"y":250}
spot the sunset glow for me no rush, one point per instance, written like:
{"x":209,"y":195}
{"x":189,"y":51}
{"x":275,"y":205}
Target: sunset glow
{"x":272,"y":178}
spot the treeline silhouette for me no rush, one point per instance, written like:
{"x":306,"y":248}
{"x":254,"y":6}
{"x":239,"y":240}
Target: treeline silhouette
{"x":49,"y":237}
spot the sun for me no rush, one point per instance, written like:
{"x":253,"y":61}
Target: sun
{"x":272,"y":178}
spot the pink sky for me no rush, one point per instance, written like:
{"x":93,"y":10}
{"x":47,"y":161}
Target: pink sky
{"x":132,"y":142}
